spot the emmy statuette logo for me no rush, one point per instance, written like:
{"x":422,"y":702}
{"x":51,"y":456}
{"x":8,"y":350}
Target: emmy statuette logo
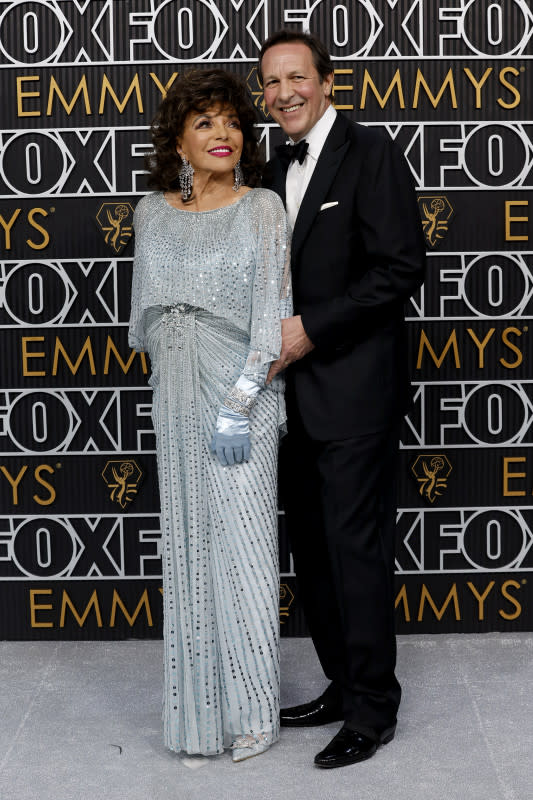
{"x":114,"y":221}
{"x":436,"y":212}
{"x":255,"y":88}
{"x":431,"y":472}
{"x":286,"y":598}
{"x":122,"y":478}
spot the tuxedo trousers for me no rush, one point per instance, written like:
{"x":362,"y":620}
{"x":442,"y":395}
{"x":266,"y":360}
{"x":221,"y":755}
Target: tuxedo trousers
{"x":340,"y":506}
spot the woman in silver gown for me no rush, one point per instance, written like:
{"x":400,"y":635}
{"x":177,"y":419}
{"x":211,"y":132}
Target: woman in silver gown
{"x":210,"y":285}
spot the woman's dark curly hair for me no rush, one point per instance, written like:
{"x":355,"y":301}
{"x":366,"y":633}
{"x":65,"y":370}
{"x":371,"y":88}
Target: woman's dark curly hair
{"x":199,"y":90}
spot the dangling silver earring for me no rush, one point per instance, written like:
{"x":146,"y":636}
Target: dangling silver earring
{"x":239,"y":177}
{"x":185,"y":179}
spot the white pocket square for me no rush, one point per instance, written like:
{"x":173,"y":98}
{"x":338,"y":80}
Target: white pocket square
{"x":329,"y":205}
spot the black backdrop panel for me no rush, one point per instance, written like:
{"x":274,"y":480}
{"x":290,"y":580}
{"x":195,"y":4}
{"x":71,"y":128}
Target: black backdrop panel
{"x":452,"y":83}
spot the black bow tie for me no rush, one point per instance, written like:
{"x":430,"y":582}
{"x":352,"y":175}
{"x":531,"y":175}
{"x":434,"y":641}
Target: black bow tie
{"x":287,"y":152}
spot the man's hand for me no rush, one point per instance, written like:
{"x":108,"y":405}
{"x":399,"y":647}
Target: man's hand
{"x":295,"y":344}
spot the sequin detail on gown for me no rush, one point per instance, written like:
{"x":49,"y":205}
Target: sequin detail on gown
{"x":208,"y":292}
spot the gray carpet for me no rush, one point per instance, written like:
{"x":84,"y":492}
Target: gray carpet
{"x":82,"y":720}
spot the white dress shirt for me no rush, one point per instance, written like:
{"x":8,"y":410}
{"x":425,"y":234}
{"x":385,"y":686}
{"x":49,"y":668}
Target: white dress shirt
{"x":299,"y":175}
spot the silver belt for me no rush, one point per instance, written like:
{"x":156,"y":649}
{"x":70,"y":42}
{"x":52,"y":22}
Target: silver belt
{"x":176,"y":319}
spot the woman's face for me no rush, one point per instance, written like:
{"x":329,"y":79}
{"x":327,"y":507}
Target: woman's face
{"x":211,"y":140}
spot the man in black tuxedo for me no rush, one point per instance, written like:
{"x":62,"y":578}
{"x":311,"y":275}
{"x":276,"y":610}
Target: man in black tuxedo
{"x":357,"y":256}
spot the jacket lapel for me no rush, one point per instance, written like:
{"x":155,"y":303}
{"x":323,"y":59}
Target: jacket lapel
{"x":328,"y":163}
{"x":277,"y":178}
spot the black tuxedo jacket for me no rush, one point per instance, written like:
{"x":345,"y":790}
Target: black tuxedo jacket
{"x":357,"y":255}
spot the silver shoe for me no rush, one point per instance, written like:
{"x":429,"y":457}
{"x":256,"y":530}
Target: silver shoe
{"x":249,"y":745}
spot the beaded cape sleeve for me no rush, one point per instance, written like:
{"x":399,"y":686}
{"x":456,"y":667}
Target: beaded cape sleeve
{"x":271,"y":295}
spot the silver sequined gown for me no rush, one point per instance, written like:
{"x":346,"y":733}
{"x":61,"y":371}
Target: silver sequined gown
{"x":208,"y":292}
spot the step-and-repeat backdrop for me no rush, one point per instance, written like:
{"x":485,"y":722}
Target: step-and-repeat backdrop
{"x":450,"y":81}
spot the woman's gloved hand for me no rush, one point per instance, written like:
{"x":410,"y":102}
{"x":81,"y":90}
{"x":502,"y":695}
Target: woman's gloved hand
{"x":231,"y":439}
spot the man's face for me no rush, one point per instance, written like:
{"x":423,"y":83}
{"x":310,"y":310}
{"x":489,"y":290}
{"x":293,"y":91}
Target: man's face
{"x":293,"y":93}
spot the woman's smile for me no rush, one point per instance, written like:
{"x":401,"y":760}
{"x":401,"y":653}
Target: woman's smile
{"x":220,"y":151}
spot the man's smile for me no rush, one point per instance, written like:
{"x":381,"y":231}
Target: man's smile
{"x":290,"y":109}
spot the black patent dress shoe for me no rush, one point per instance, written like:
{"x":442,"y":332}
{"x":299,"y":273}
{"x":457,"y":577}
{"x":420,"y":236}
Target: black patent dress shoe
{"x":349,"y":747}
{"x":318,"y":712}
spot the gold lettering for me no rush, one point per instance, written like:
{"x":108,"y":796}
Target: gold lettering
{"x":21,"y":95}
{"x":519,"y":357}
{"x":401,"y":597}
{"x":452,"y":342}
{"x":514,"y":91}
{"x":14,"y":481}
{"x":509,"y":237}
{"x":7,"y":227}
{"x":107,"y":87}
{"x":508,"y":475}
{"x":125,"y":365}
{"x":28,"y":354}
{"x":421,"y":82}
{"x":396,"y":82}
{"x":93,"y":603}
{"x":481,"y":597}
{"x":131,"y":620}
{"x":34,"y":607}
{"x":511,"y":599}
{"x":425,"y":595}
{"x":81,"y":89}
{"x":343,"y":87}
{"x":478,"y":84}
{"x":480,"y":345}
{"x":46,"y":236}
{"x":51,"y":491}
{"x":87,"y":348}
{"x":163,"y":89}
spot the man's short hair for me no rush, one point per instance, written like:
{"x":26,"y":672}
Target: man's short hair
{"x":321,"y":59}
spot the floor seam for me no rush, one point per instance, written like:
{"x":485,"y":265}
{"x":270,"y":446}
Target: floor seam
{"x":508,"y":793}
{"x":31,"y":704}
